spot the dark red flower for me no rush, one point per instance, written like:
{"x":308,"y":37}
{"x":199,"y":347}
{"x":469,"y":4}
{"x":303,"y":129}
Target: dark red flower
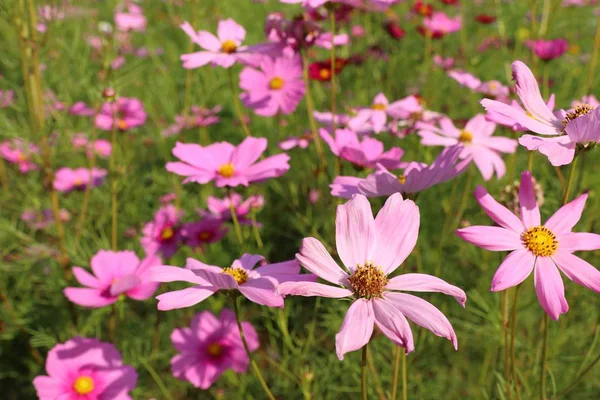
{"x":394,"y":30}
{"x":423,"y":9}
{"x":450,"y":2}
{"x":321,"y":70}
{"x":485,"y":19}
{"x":426,"y":32}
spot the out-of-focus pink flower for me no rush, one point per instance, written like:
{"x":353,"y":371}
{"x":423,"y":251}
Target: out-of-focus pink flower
{"x":47,"y":14}
{"x":371,"y":249}
{"x":256,"y":284}
{"x":7,"y":98}
{"x":118,"y":62}
{"x":83,"y":368}
{"x":324,"y":40}
{"x":131,"y":19}
{"x":477,"y":141}
{"x":277,"y":87}
{"x":51,"y":103}
{"x":376,"y":116}
{"x":548,"y":49}
{"x":81,"y":109}
{"x":544,"y":249}
{"x":221,"y":208}
{"x":445,"y":63}
{"x":40,"y":220}
{"x":293,"y":35}
{"x":366,"y":152}
{"x":226,"y":164}
{"x":101,"y":147}
{"x":67,"y":179}
{"x":207,"y":230}
{"x":489,"y":88}
{"x":126,"y":113}
{"x":199,"y":117}
{"x":116,"y":274}
{"x":210,"y":346}
{"x":163,"y":234}
{"x":226,"y":48}
{"x":358,"y":31}
{"x":440,"y":24}
{"x":168,"y":198}
{"x":19,"y":152}
{"x":314,"y":195}
{"x":415,"y":177}
{"x":296,"y":141}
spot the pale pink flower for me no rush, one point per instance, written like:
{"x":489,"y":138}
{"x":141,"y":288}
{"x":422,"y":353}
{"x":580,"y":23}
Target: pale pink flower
{"x":221,"y":208}
{"x":226,"y":164}
{"x":117,"y":274}
{"x":130,"y":18}
{"x":40,"y":220}
{"x":476,"y":140}
{"x":101,"y":147}
{"x":199,"y":117}
{"x":277,"y":87}
{"x":365,"y":152}
{"x":210,"y":346}
{"x":376,"y":116}
{"x":256,"y":284}
{"x":296,"y":141}
{"x":67,"y":179}
{"x":371,"y":249}
{"x":126,"y":113}
{"x":324,"y":40}
{"x":85,"y":369}
{"x":590,"y":100}
{"x":440,"y":24}
{"x":163,"y":234}
{"x":490,"y":88}
{"x":81,"y":109}
{"x":445,"y":63}
{"x":19,"y":152}
{"x":7,"y":98}
{"x":207,"y":230}
{"x":535,"y":247}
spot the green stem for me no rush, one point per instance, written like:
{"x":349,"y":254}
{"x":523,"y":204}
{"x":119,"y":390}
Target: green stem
{"x":252,"y":362}
{"x":255,"y":230}
{"x":113,"y":183}
{"x":592,"y":70}
{"x":311,"y":118}
{"x":544,"y":358}
{"x":530,"y":161}
{"x":236,"y":103}
{"x":506,"y":339}
{"x":397,"y":355}
{"x":513,"y":328}
{"x":404,"y":377}
{"x":363,"y":367}
{"x":570,"y":181}
{"x":156,"y":379}
{"x":236,"y":223}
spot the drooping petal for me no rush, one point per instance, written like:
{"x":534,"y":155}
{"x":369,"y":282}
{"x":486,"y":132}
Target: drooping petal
{"x":310,"y":289}
{"x":355,"y":231}
{"x":497,"y":212}
{"x":493,"y":238}
{"x":566,"y":217}
{"x":426,"y":283}
{"x":315,"y":258}
{"x":530,"y":212}
{"x":578,"y":270}
{"x":356,"y":329}
{"x":515,"y":268}
{"x":393,"y":324}
{"x":550,"y":288}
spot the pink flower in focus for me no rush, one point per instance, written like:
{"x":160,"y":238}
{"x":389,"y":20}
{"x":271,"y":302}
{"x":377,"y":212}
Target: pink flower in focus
{"x":210,"y":346}
{"x":548,"y":49}
{"x":67,"y":179}
{"x":376,"y":116}
{"x":163,"y":233}
{"x":226,"y":164}
{"x":19,"y":152}
{"x":116,"y":274}
{"x":277,"y":87}
{"x":365,"y":152}
{"x":131,"y":20}
{"x":371,"y":249}
{"x":126,"y":113}
{"x":535,"y":247}
{"x":206,"y":231}
{"x":81,"y":109}
{"x":83,"y":368}
{"x":256,"y":284}
{"x":476,"y":140}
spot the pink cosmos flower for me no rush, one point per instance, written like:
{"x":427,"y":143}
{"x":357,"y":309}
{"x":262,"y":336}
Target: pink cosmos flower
{"x":67,"y":179}
{"x":130,"y":20}
{"x":256,"y":284}
{"x":7,"y":98}
{"x":40,"y":220}
{"x":277,"y":87}
{"x":535,"y":247}
{"x":81,"y":109}
{"x":415,"y":177}
{"x":163,"y":233}
{"x":490,"y":88}
{"x":221,"y":208}
{"x":376,"y":115}
{"x":19,"y":152}
{"x":199,"y":117}
{"x":116,"y":274}
{"x":591,"y":100}
{"x":365,"y":152}
{"x":226,"y":48}
{"x":101,"y":147}
{"x":371,"y":249}
{"x":210,"y":346}
{"x":548,"y":49}
{"x":126,"y":113}
{"x":476,"y":140}
{"x":296,"y":141}
{"x":440,"y":24}
{"x":83,"y":368}
{"x":227,"y":164}
{"x":445,"y":63}
{"x":207,"y":230}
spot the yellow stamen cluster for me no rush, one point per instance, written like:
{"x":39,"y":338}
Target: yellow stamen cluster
{"x":83,"y":385}
{"x":580,"y":110}
{"x":228,"y":47}
{"x":402,"y":179}
{"x":379,"y":107}
{"x":167,"y":233}
{"x":368,"y":281}
{"x":276,"y":83}
{"x":465,"y":137}
{"x":121,"y":124}
{"x":238,"y":274}
{"x":540,"y":241}
{"x":226,"y":170}
{"x":324,"y":73}
{"x":214,"y":349}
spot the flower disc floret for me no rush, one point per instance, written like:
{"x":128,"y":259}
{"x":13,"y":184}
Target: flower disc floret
{"x":540,"y":240}
{"x":238,"y":274}
{"x":83,"y":385}
{"x":368,"y":281}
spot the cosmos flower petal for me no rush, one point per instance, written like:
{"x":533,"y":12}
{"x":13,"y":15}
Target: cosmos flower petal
{"x":530,"y":212}
{"x":515,"y":268}
{"x":262,"y":291}
{"x":184,"y":297}
{"x":86,"y":279}
{"x":356,"y":329}
{"x":87,"y":297}
{"x":314,"y":257}
{"x":566,"y":217}
{"x":578,"y":270}
{"x":426,"y":283}
{"x":310,"y":289}
{"x":219,"y":280}
{"x":355,"y":232}
{"x":167,"y":273}
{"x":578,"y":241}
{"x":492,"y":238}
{"x":497,"y":212}
{"x":393,"y":324}
{"x":550,"y":288}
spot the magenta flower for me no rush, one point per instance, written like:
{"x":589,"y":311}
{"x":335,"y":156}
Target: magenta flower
{"x":101,"y":147}
{"x":415,"y":177}
{"x":226,"y":48}
{"x":476,"y":140}
{"x":210,"y":346}
{"x":440,"y":24}
{"x":221,"y":208}
{"x":19,"y":152}
{"x":131,"y":19}
{"x":535,"y":247}
{"x":117,"y":274}
{"x":126,"y":113}
{"x":548,"y":49}
{"x":376,"y":115}
{"x":277,"y":87}
{"x":371,"y":249}
{"x":81,"y":109}
{"x":444,"y":63}
{"x":207,"y":230}
{"x":226,"y":164}
{"x":85,"y":369}
{"x":66,"y":179}
{"x":163,"y":233}
{"x":365,"y":152}
{"x":256,"y":284}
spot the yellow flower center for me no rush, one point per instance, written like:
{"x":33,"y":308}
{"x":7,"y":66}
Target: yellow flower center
{"x":379,"y":106}
{"x":214,"y":349}
{"x":465,"y":137}
{"x":540,"y":241}
{"x":324,"y":73}
{"x":226,"y":170}
{"x":493,"y":85}
{"x":402,"y":179}
{"x":83,"y":385}
{"x":21,"y":157}
{"x":228,"y":46}
{"x":368,"y":281}
{"x":580,"y":110}
{"x":204,"y":236}
{"x":276,"y":83}
{"x":121,"y":124}
{"x":167,"y":233}
{"x":238,"y":274}
{"x":78,"y":182}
